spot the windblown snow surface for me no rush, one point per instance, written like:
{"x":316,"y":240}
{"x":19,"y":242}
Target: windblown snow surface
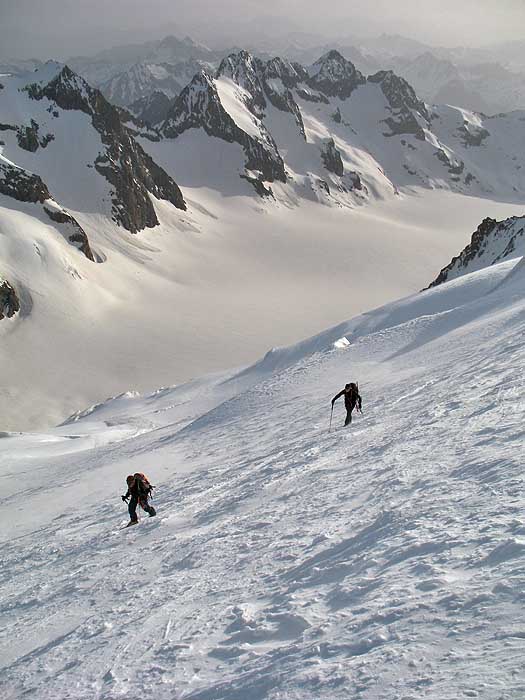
{"x":385,"y":560}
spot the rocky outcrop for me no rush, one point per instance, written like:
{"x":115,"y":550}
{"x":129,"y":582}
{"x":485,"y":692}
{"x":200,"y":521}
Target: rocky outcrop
{"x":334,"y":76}
{"x":199,"y":106}
{"x":403,"y":103}
{"x":278,"y":78}
{"x":131,"y":172}
{"x":9,"y":301}
{"x":472,"y":135}
{"x":27,"y":187}
{"x":75,"y":233}
{"x":290,"y":73}
{"x":332,"y":158}
{"x":28,"y":138}
{"x":21,"y":185}
{"x":243,"y":69}
{"x":454,"y":166}
{"x":492,"y":242}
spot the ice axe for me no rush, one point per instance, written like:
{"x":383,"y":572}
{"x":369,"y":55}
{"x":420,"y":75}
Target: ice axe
{"x":331,"y":414}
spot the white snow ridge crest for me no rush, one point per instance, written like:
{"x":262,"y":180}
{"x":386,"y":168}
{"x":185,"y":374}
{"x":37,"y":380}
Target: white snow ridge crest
{"x":384,"y":560}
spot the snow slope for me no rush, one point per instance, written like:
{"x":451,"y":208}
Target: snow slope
{"x":286,"y":562}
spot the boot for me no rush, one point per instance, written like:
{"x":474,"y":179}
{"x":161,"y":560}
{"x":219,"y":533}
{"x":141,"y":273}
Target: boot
{"x":132,"y":522}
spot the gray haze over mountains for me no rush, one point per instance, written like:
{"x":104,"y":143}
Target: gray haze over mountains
{"x":61,"y":28}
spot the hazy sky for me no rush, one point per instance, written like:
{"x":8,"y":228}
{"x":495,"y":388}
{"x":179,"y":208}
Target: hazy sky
{"x":61,"y":28}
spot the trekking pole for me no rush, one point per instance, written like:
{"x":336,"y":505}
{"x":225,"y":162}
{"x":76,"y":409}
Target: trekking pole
{"x":331,"y":414}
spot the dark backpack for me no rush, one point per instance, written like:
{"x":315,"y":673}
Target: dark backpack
{"x":143,"y":485}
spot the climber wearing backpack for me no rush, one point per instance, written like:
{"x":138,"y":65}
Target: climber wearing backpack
{"x":139,"y":492}
{"x":352,"y":399}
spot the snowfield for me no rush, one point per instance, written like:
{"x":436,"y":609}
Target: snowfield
{"x":382,"y":561}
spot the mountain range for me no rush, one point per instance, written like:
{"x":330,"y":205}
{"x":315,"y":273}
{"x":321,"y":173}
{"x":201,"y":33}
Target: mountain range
{"x":82,"y":181}
{"x":489,"y":79}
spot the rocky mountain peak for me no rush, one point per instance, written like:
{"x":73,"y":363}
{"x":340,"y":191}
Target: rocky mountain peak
{"x":197,"y":105}
{"x":244,"y":70}
{"x":334,"y":75}
{"x":68,"y":90}
{"x":399,"y":93}
{"x":290,"y":73}
{"x":130,"y":171}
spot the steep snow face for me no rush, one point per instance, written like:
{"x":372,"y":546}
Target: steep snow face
{"x":492,"y":242}
{"x":382,"y":560}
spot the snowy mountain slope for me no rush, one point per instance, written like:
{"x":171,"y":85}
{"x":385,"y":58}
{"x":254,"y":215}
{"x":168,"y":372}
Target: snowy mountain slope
{"x":379,"y":561}
{"x":492,"y":242}
{"x":43,"y":113}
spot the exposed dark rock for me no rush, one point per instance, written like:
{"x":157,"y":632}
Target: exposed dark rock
{"x":21,"y":185}
{"x":399,"y":93}
{"x":199,"y":105}
{"x":455,"y":167}
{"x":332,"y":158}
{"x":403,"y":102}
{"x":78,"y":236}
{"x":27,"y":187}
{"x":276,"y":70}
{"x":498,"y":237}
{"x":243,"y":69}
{"x":355,"y":180}
{"x":471,"y":135}
{"x":334,"y":76}
{"x":126,"y":166}
{"x":7,"y":127}
{"x":336,"y":116}
{"x":46,"y":140}
{"x":259,"y":186}
{"x":9,"y":301}
{"x":27,"y":137}
{"x":291,"y":74}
